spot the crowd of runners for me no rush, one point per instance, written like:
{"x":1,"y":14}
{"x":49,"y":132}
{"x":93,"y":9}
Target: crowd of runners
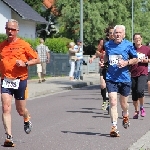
{"x":123,"y":69}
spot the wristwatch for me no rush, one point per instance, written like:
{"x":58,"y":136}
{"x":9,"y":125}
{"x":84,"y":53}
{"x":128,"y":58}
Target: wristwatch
{"x":26,"y":63}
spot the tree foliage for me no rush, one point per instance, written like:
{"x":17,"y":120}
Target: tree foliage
{"x":98,"y":14}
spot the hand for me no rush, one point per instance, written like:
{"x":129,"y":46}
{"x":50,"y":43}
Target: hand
{"x":48,"y":61}
{"x":90,"y":60}
{"x":101,"y":63}
{"x":20,"y":63}
{"x":145,"y":60}
{"x":122,"y":63}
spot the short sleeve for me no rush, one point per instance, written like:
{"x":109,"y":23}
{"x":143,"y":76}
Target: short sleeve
{"x":132,"y":51}
{"x":30,"y":52}
{"x":148,"y":54}
{"x":47,"y":49}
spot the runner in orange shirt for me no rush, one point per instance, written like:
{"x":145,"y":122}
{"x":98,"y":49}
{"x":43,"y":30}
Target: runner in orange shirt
{"x":15,"y":57}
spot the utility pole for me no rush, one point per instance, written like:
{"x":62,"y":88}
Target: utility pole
{"x":132,"y":18}
{"x":81,"y":32}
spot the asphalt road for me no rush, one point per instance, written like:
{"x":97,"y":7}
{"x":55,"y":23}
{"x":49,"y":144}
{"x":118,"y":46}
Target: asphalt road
{"x":73,"y":120}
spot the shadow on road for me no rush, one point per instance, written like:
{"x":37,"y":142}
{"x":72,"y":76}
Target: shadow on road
{"x":87,"y":133}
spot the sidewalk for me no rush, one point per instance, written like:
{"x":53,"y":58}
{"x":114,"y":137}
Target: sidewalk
{"x":58,"y":84}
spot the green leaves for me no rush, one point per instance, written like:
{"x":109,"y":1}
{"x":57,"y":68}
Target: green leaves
{"x":98,"y":14}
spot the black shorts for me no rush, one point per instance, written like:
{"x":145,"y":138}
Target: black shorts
{"x":20,"y":93}
{"x":121,"y":88}
{"x":102,"y":72}
{"x":148,"y":76}
{"x":138,"y":86}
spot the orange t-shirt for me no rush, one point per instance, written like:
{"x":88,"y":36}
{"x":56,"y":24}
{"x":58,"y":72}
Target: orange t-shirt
{"x":9,"y":53}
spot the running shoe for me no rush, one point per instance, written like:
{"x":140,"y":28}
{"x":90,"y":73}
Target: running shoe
{"x":125,"y":122}
{"x":104,"y":106}
{"x":114,"y":132}
{"x":136,"y":115}
{"x":142,"y":110}
{"x":27,"y":127}
{"x":9,"y":141}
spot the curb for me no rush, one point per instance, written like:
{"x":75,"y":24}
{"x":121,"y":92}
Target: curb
{"x":47,"y":92}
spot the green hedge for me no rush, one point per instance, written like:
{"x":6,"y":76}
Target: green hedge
{"x":56,"y":45}
{"x":2,"y":37}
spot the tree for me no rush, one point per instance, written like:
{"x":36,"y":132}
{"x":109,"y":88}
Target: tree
{"x":99,"y":14}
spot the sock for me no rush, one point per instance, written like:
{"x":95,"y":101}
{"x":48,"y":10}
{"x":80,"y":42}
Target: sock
{"x":114,"y":123}
{"x":141,"y":106}
{"x":106,"y":94}
{"x":103,"y":93}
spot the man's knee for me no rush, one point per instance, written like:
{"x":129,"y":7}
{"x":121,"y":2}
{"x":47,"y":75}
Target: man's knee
{"x":20,"y":111}
{"x":113,"y":102}
{"x":6,"y":103}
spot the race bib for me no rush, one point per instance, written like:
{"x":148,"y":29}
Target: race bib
{"x":141,"y":56}
{"x":9,"y":83}
{"x":114,"y":59}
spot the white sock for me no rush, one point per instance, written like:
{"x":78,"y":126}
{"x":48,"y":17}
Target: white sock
{"x":114,"y":124}
{"x":106,"y":94}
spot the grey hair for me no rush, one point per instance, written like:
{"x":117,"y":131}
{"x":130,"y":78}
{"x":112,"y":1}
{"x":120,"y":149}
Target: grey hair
{"x":120,"y":26}
{"x":13,"y":20}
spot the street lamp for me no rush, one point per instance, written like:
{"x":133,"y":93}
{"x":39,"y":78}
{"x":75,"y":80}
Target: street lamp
{"x":132,"y":18}
{"x":81,"y":32}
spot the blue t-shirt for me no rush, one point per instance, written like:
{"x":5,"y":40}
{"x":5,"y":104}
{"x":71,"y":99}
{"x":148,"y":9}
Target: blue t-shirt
{"x":114,"y":51}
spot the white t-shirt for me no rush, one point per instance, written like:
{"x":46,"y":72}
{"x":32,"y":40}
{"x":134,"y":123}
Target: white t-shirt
{"x":80,"y":53}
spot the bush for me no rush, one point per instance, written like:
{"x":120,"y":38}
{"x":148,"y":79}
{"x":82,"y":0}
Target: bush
{"x":58,"y":45}
{"x":2,"y":37}
{"x":32,"y":42}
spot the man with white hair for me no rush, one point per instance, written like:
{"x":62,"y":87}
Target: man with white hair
{"x":120,"y":53}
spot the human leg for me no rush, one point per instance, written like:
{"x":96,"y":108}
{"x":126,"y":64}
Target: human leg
{"x":142,"y":80}
{"x":6,"y":112}
{"x":77,"y":69}
{"x":6,"y":98}
{"x":20,"y":100}
{"x":39,"y":72}
{"x":72,"y":69}
{"x":135,"y":96}
{"x":124,"y":90}
{"x":103,"y":92}
{"x":43,"y":71}
{"x":112,"y":92}
{"x":148,"y":82}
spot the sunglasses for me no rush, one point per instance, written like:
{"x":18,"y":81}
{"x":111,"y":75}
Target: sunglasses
{"x":11,"y":29}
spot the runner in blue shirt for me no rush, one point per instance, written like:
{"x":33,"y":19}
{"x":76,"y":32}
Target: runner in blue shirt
{"x":118,"y":80}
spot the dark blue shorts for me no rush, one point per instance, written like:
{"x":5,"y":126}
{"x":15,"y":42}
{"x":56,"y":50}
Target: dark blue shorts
{"x":119,"y":87}
{"x":20,"y":93}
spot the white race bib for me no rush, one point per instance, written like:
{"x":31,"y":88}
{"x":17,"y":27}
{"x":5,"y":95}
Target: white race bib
{"x":141,"y":56}
{"x":114,"y":59}
{"x":9,"y":83}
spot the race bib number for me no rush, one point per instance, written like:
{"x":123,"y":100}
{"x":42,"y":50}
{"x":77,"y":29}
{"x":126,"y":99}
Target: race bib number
{"x":9,"y":83}
{"x":114,"y":59}
{"x":141,"y":56}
